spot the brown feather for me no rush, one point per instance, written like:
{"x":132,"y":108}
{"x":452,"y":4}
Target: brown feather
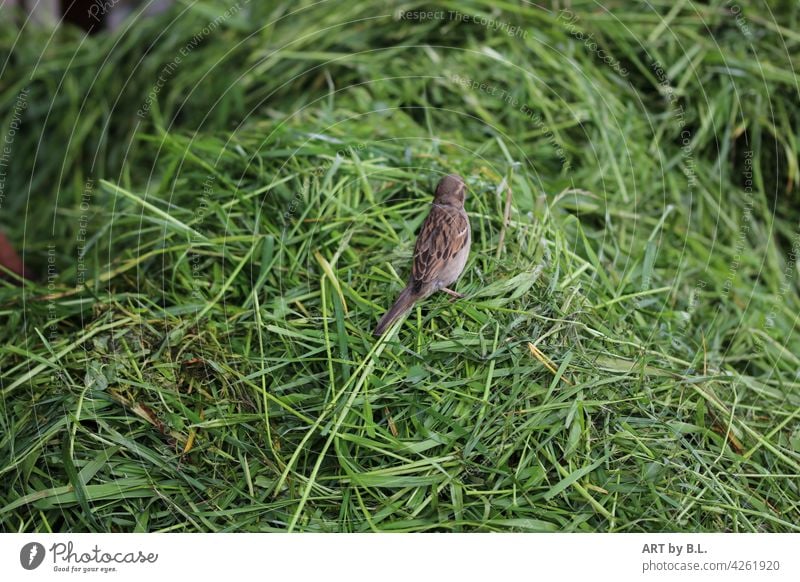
{"x":441,"y":250}
{"x":434,"y":249}
{"x":403,"y":304}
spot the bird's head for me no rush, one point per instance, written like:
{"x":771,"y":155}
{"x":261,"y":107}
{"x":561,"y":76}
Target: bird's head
{"x":451,"y":191}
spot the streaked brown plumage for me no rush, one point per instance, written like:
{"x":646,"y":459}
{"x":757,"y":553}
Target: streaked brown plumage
{"x":440,"y":253}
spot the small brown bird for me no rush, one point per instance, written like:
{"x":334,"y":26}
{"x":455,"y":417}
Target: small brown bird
{"x":440,"y":253}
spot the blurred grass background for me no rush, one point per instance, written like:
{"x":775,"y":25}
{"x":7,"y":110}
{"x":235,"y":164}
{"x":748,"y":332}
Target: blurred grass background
{"x":222,"y":200}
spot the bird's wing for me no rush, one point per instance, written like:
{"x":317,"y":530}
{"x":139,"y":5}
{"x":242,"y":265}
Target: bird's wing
{"x":444,"y":233}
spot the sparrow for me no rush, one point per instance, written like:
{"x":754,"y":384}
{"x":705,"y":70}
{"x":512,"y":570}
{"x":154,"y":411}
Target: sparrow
{"x":440,"y":253}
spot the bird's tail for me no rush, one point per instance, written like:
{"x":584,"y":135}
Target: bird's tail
{"x":400,"y":307}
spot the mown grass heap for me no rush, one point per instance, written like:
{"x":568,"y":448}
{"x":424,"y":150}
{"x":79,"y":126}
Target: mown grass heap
{"x":221,"y":206}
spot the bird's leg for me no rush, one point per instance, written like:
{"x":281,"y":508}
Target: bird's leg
{"x":455,"y":294}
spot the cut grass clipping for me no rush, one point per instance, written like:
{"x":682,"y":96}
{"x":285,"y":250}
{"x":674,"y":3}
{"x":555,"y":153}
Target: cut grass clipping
{"x":217,"y":236}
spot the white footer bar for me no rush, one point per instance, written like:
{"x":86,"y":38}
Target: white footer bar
{"x":402,"y":557}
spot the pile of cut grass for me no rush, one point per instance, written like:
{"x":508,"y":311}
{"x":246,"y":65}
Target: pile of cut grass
{"x":202,"y":357}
